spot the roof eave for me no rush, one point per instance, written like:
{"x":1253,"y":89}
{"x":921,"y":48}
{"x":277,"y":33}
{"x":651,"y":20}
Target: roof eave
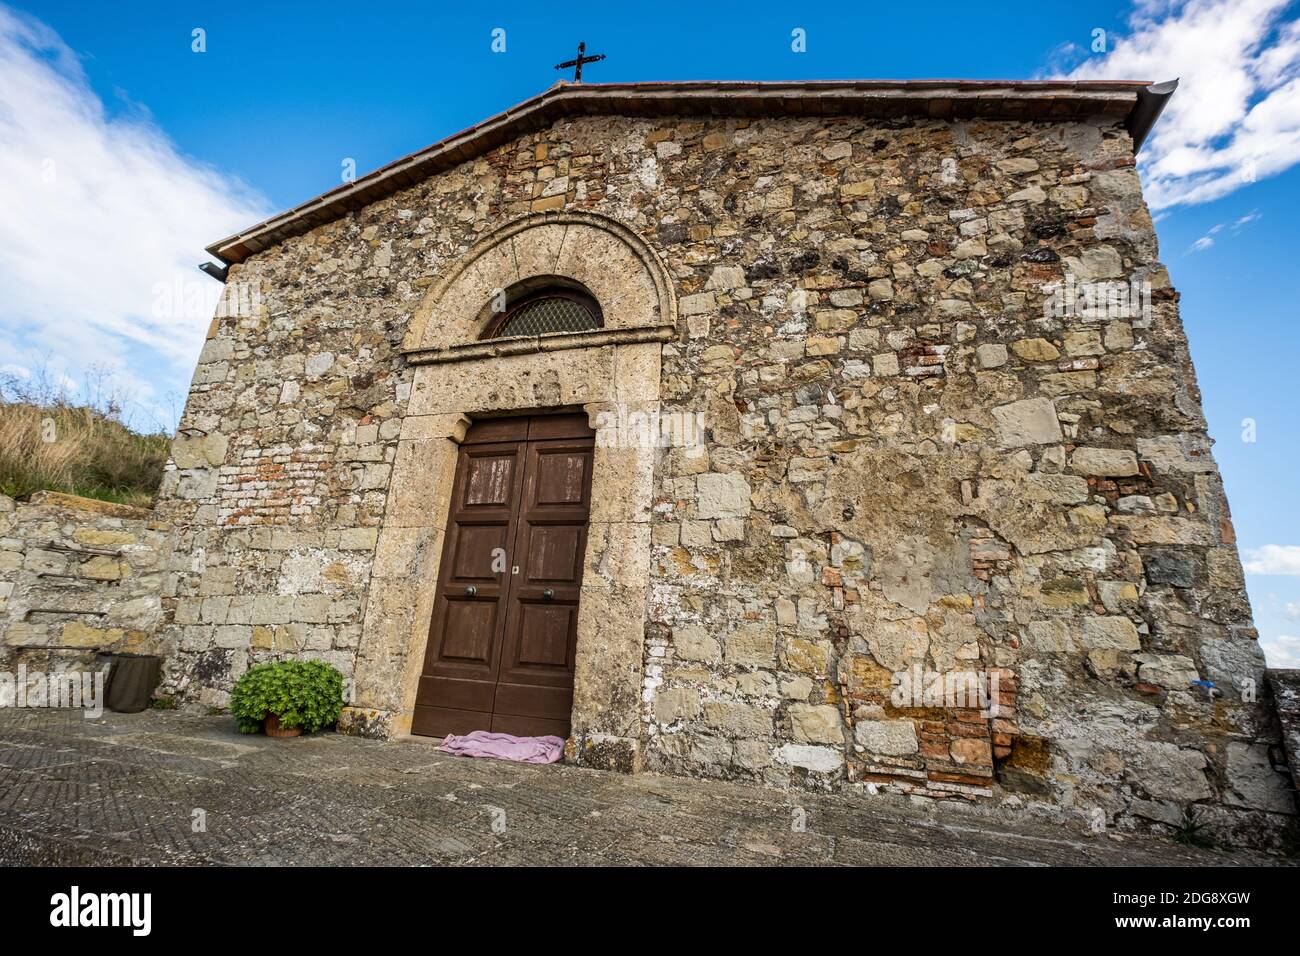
{"x":1137,"y":104}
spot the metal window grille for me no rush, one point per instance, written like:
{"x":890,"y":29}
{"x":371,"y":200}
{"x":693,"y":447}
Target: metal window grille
{"x":548,"y":314}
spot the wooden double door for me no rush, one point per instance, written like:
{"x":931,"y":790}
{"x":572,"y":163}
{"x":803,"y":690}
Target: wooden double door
{"x":503,"y":634}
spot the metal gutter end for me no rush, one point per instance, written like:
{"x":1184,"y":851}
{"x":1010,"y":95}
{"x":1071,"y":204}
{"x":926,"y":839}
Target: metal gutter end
{"x":215,"y":271}
{"x":1150,"y":103}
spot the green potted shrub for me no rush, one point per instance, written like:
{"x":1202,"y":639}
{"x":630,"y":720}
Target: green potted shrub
{"x":285,"y":698}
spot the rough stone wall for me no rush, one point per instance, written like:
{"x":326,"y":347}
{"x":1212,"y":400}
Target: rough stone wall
{"x":78,"y":577}
{"x":910,"y":461}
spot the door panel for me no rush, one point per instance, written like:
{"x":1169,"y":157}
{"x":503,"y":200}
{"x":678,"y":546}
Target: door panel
{"x":528,"y":726}
{"x":471,"y":562}
{"x":489,"y":480}
{"x":572,"y":425}
{"x":502,"y":658}
{"x":542,"y":631}
{"x":471,"y":631}
{"x":458,"y":682}
{"x":561,"y":475}
{"x":527,"y":700}
{"x":544,"y":635}
{"x":553,"y":553}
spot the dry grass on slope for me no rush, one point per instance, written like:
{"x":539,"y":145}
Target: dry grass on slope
{"x":48,"y":443}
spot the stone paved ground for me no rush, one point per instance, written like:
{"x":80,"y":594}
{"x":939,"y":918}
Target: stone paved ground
{"x":123,"y":790}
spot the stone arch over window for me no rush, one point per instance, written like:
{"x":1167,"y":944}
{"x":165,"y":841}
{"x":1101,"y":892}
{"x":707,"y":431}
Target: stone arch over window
{"x":599,"y":255}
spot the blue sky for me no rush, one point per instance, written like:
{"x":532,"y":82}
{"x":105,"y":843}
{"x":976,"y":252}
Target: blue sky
{"x":132,"y":151}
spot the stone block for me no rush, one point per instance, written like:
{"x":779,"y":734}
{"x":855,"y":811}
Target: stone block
{"x":1107,"y":462}
{"x":1224,"y":568}
{"x":1111,"y":633}
{"x":752,"y":644}
{"x":976,"y":751}
{"x":358,"y":539}
{"x":1035,"y":350}
{"x":1031,"y":421}
{"x":725,"y":278}
{"x":1163,"y":568}
{"x":890,"y":738}
{"x":738,"y":720}
{"x":1051,"y":637}
{"x":809,"y":757}
{"x":723,"y":496}
{"x":752,"y":755}
{"x":694,"y":643}
{"x":1253,"y":783}
{"x":677,"y":703}
{"x":1168,"y":772}
{"x":816,"y":723}
{"x":991,"y":355}
{"x":1173,"y":671}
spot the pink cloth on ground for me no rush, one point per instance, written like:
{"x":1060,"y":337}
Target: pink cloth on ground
{"x":481,"y":743}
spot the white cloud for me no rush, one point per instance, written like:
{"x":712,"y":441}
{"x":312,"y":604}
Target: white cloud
{"x":1292,"y":610}
{"x":1236,"y":115}
{"x":102,"y":219}
{"x":1207,"y":240}
{"x":1282,"y":651}
{"x":1274,"y":559}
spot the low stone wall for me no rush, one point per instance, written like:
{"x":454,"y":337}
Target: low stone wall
{"x":1285,"y":685}
{"x":78,"y":578}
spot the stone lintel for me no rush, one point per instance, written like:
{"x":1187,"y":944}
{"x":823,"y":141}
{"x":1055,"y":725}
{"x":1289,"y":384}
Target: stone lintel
{"x":496,"y":348}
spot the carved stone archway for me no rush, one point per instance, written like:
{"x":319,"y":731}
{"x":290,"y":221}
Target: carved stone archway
{"x":613,"y":373}
{"x":611,"y":261}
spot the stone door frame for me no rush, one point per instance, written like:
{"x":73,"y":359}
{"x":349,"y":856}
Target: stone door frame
{"x":613,"y":374}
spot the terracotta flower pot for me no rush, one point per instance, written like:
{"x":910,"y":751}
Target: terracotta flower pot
{"x":273,"y":728}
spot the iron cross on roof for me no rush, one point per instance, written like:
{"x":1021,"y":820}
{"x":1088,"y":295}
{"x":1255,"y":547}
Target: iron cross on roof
{"x":577,"y":63}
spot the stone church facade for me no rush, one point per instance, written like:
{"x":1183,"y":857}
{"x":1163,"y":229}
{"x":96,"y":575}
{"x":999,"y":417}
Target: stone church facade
{"x":880,"y":460}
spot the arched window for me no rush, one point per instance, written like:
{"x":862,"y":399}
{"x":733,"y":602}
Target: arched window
{"x":544,"y":306}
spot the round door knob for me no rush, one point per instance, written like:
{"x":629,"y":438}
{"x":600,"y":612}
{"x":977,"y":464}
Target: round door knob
{"x":471,"y":591}
{"x":548,"y":594}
